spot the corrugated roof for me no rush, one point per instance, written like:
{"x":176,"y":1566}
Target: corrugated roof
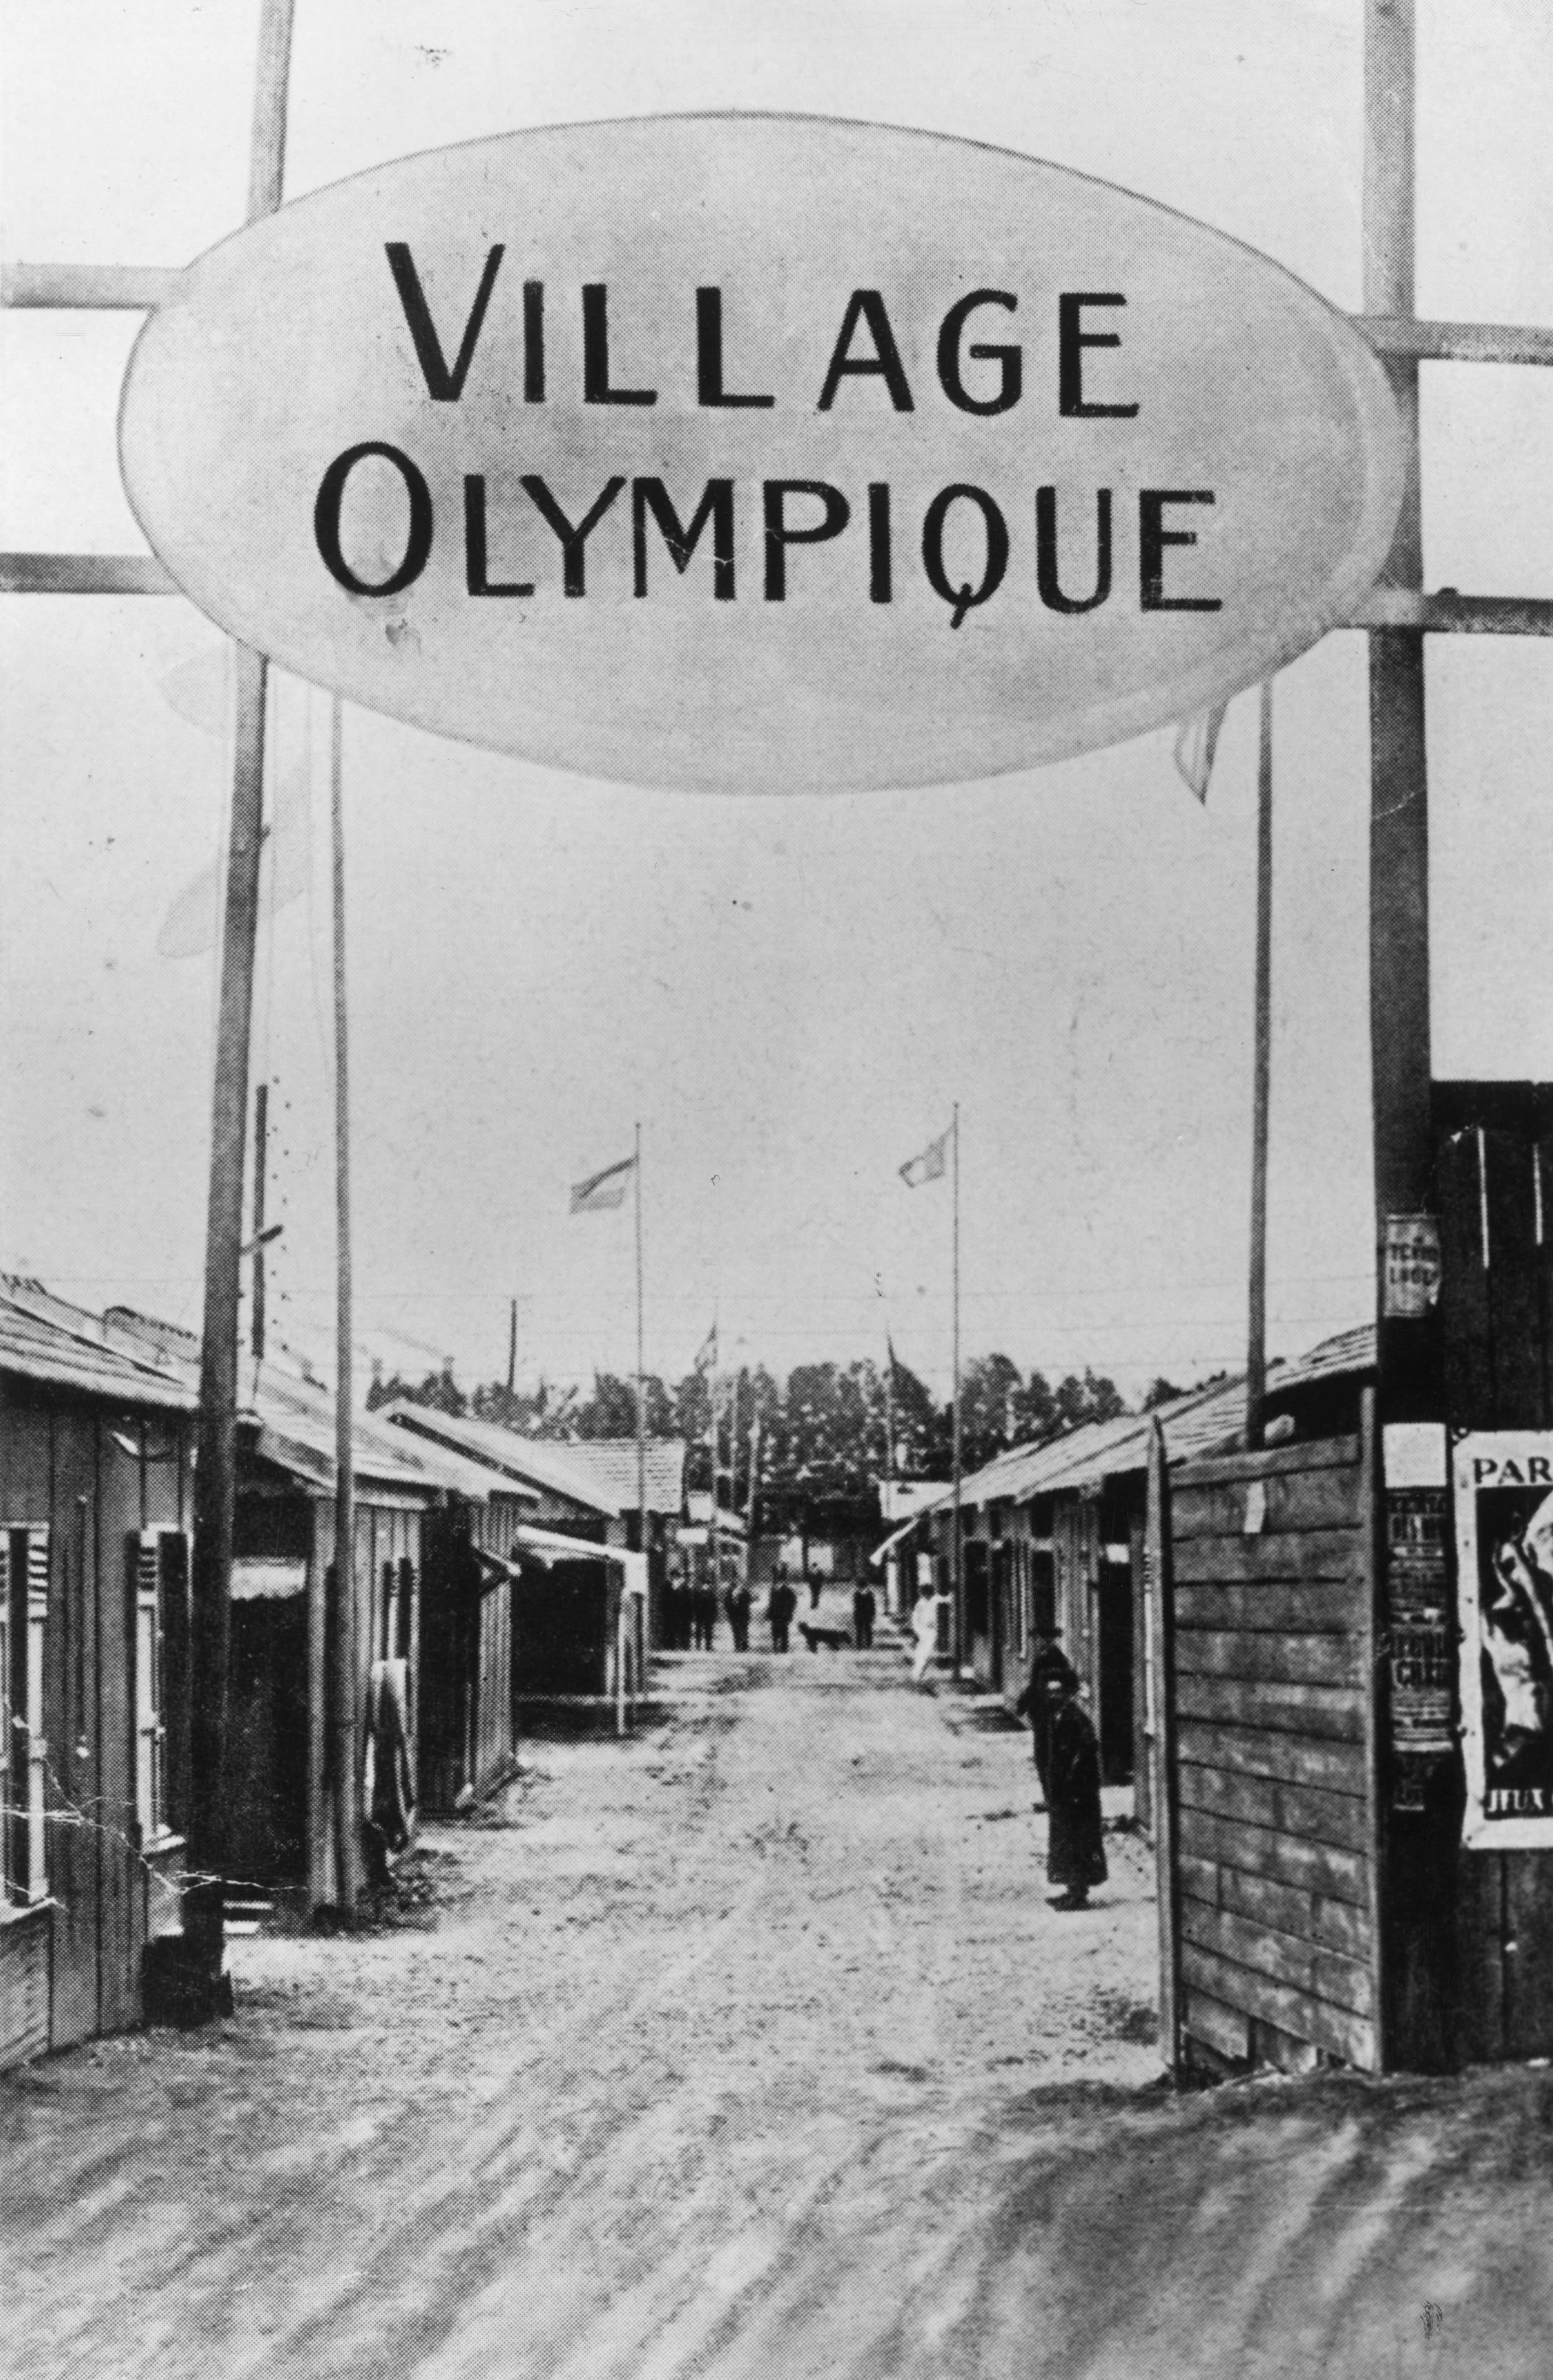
{"x":534,"y":1460}
{"x":37,"y":1342}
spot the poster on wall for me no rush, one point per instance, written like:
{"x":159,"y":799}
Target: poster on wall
{"x":1504,"y":1541}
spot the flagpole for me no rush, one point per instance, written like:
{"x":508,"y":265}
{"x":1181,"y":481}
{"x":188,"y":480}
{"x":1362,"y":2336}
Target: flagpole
{"x":959,"y":1613}
{"x":1257,"y":1322}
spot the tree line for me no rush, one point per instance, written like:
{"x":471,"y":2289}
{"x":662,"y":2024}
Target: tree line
{"x":815,"y":1445}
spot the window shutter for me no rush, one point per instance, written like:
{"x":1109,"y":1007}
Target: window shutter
{"x":9,"y":1728}
{"x":37,"y":1748}
{"x":150,"y":1734}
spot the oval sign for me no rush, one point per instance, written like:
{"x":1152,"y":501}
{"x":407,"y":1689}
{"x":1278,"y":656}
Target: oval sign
{"x":759,"y":454}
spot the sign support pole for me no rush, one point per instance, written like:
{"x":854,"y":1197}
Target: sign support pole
{"x":215,"y":1466}
{"x":342,"y":1708}
{"x":1415,"y":1847}
{"x":1256,"y":1332}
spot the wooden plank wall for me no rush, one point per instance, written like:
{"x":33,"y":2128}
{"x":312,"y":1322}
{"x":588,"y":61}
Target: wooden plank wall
{"x":1272,"y":1611}
{"x":1494,"y":1167}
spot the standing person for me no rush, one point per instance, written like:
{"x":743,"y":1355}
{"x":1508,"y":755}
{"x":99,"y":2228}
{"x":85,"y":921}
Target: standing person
{"x":813,"y":1581}
{"x":1075,"y":1853}
{"x":781,"y":1605}
{"x":863,"y":1609}
{"x":925,"y":1637}
{"x":677,"y":1601}
{"x":736,"y":1603}
{"x":1049,"y":1660}
{"x":706,"y":1615}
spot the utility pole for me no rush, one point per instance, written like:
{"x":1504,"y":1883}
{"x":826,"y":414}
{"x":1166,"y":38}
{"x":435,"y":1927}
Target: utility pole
{"x":343,"y":1694}
{"x":215,"y":1466}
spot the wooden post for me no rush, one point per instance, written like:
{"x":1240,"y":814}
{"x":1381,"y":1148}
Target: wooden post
{"x":1257,"y":1327}
{"x":1161,"y":1683}
{"x":1399,"y":1050}
{"x":344,"y":1699}
{"x":215,"y":1469}
{"x":1415,"y":1849}
{"x":957,"y":1564}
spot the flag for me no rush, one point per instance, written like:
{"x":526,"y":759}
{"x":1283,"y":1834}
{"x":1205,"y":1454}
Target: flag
{"x":706,"y":1359}
{"x":602,"y":1190}
{"x":931,"y":1165}
{"x":1195,"y":743}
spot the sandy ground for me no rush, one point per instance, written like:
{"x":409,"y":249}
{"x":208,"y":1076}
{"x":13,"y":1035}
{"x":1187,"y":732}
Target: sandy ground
{"x":750,"y":2048}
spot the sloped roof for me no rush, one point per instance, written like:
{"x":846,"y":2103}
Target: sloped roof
{"x":1345,"y":1352}
{"x":43,"y":1338}
{"x":297,"y":1423}
{"x":1203,"y":1421}
{"x":533,"y":1459}
{"x":610,"y":1463}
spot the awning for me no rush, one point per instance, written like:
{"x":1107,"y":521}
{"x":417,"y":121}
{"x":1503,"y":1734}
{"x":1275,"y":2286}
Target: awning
{"x":549,"y":1546}
{"x":897,"y":1534}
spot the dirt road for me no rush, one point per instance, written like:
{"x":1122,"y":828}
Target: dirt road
{"x":751,"y":2048}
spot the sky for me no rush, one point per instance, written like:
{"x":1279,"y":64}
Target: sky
{"x":789,"y":995}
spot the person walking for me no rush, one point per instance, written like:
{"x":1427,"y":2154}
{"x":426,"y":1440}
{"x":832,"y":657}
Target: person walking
{"x":1048,"y":1660}
{"x":781,"y":1605}
{"x":863,"y":1609}
{"x":925,"y":1637}
{"x":813,"y":1581}
{"x":1075,"y":1852}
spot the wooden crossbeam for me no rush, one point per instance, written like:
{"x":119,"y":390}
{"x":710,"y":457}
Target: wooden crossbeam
{"x":1445,"y":612}
{"x":133,"y":286}
{"x":83,"y":574}
{"x":1458,"y":342}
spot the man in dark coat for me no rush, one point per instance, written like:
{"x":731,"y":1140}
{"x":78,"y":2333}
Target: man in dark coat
{"x":735,"y":1603}
{"x":863,"y":1609}
{"x":780,"y":1607}
{"x":1049,"y":1661}
{"x":1075,"y":1855}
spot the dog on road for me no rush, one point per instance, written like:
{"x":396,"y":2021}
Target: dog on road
{"x":835,"y":1640}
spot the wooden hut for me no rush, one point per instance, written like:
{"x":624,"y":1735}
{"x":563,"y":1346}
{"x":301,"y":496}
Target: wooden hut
{"x":580,"y":1609}
{"x":96,"y":1451}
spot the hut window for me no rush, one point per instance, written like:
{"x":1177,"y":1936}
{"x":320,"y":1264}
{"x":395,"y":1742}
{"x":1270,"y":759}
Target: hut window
{"x":24,"y":1584}
{"x":407,"y":1606}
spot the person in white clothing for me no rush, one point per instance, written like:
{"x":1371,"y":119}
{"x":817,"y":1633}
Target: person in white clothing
{"x":924,"y":1631}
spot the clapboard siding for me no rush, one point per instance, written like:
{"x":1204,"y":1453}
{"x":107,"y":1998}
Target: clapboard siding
{"x":1335,"y":1711}
{"x":1285,"y":1859}
{"x":1258,"y":1752}
{"x":1336,"y":2030}
{"x":1272,"y":1652}
{"x":1274,"y":1660}
{"x":24,"y":1986}
{"x":1341,"y":1819}
{"x":1269,"y":1606}
{"x":1292,"y":1502}
{"x":1314,"y":1916}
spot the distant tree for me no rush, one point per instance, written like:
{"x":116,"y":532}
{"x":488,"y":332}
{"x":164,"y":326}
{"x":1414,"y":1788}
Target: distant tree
{"x":1159,"y":1393}
{"x":544,"y":1412}
{"x":438,"y":1390}
{"x":611,"y":1410}
{"x":1092,"y":1399}
{"x":921,"y":1429}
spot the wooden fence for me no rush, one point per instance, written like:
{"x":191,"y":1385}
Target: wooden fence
{"x":1266,"y":1755}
